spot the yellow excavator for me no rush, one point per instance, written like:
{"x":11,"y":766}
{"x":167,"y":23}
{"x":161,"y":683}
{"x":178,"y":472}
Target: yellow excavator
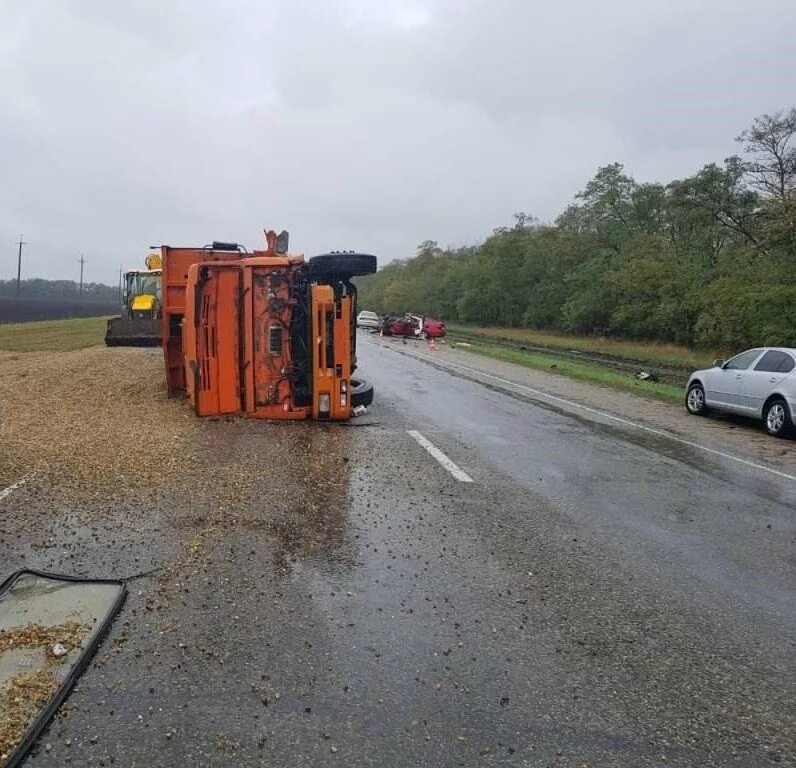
{"x":140,"y":323}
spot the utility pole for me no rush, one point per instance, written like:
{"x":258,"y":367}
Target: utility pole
{"x":82,"y":261}
{"x":121,"y":299}
{"x":19,"y":263}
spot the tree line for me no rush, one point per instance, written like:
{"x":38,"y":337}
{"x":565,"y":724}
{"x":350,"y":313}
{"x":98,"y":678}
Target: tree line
{"x":706,"y":261}
{"x":39,"y":288}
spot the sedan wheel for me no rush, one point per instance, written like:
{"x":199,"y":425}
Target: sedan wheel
{"x":777,"y":418}
{"x":695,"y":400}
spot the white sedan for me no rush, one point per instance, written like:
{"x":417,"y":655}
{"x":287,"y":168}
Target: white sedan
{"x":367,"y":319}
{"x":760,"y":383}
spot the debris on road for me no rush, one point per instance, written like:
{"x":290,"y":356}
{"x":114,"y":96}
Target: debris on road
{"x":28,"y":691}
{"x":59,"y":650}
{"x":66,"y":637}
{"x":25,"y":695}
{"x":102,"y":410}
{"x":37,"y":667}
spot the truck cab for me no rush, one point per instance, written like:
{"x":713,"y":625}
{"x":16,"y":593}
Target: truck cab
{"x":267,"y":334}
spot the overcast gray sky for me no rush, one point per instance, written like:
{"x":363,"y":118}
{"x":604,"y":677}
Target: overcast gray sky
{"x":355,"y":124}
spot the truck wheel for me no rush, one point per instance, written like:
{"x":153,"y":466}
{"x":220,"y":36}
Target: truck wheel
{"x":340,"y":266}
{"x":361,"y":392}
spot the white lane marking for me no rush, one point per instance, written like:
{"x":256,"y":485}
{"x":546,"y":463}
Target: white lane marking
{"x":458,"y":473}
{"x":619,"y":419}
{"x":11,"y":488}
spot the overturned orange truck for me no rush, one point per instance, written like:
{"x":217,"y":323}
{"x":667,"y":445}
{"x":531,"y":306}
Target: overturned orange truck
{"x":264,"y":334}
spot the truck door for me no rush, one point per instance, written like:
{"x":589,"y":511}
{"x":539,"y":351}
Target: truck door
{"x":216,"y":365}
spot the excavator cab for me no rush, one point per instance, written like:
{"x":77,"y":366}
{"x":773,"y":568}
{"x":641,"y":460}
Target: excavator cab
{"x":140,"y":323}
{"x":142,"y":296}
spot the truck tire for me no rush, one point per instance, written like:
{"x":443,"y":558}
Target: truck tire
{"x":361,"y":392}
{"x":340,"y":266}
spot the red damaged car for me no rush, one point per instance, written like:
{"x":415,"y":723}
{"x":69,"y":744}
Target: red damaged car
{"x":431,"y":328}
{"x":413,"y":325}
{"x":405,"y":325}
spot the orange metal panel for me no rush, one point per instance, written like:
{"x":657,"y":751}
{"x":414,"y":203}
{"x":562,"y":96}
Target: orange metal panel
{"x":331,"y":353}
{"x":226,"y":340}
{"x":176,"y":262}
{"x":263,"y":259}
{"x":210,"y":335}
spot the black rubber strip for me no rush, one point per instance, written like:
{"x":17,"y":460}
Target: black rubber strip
{"x":19,"y":752}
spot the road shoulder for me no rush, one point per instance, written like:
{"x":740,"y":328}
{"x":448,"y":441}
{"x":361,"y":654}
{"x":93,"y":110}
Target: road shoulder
{"x":736,"y":437}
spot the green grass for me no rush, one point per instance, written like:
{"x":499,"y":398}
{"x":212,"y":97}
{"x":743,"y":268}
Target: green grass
{"x":52,"y":335}
{"x":594,"y":374}
{"x":651,"y":352}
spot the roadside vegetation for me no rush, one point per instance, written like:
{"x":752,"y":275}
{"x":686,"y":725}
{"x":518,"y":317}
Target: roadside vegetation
{"x":52,"y":335}
{"x":707,"y":262}
{"x":653,"y":353}
{"x":593,"y":373}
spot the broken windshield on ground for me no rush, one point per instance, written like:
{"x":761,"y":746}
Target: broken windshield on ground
{"x":48,"y":625}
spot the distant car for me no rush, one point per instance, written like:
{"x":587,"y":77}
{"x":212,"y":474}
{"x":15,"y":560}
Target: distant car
{"x":760,"y":383}
{"x":413,"y":325}
{"x":406,"y":325}
{"x":430,"y":328}
{"x":367,"y":319}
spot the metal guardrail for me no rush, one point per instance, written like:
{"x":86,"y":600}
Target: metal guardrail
{"x":666,"y":372}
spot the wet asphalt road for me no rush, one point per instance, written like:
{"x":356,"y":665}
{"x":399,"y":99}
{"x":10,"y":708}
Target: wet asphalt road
{"x":715,"y":531}
{"x":336,"y":598}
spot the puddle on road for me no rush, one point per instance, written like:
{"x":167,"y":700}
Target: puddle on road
{"x":49,"y":626}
